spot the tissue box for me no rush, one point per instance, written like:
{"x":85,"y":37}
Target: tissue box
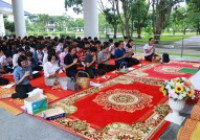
{"x":36,"y":104}
{"x":54,"y":113}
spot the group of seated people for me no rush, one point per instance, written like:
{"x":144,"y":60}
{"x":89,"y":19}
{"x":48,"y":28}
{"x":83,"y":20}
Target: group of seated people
{"x":23,"y":56}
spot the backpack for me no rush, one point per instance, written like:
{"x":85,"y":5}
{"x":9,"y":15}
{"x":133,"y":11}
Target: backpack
{"x":165,"y":58}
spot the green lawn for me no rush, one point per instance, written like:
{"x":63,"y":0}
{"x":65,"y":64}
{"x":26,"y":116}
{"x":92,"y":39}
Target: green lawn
{"x":175,"y":54}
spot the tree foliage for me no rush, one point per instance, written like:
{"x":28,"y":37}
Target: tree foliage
{"x":75,"y":4}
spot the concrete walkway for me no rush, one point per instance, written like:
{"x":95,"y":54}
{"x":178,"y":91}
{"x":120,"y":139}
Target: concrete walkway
{"x":190,"y":43}
{"x":24,"y":127}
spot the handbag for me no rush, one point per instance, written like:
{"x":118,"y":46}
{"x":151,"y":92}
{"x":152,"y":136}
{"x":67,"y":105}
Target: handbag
{"x":72,"y":84}
{"x":83,"y":82}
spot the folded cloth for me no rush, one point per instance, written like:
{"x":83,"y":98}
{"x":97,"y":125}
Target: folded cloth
{"x":189,"y":131}
{"x":34,"y":92}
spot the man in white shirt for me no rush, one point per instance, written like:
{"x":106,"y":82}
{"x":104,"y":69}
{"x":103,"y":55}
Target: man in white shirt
{"x":149,"y":50}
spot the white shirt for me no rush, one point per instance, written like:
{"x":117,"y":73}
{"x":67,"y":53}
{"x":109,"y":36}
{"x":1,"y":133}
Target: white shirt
{"x":147,"y":47}
{"x":59,"y":48}
{"x":2,"y":59}
{"x":15,"y":60}
{"x":50,"y":68}
{"x":44,"y":61}
{"x":112,"y":49}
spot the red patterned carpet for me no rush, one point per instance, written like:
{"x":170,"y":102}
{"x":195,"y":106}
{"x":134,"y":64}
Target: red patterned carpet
{"x":131,"y":111}
{"x":128,"y":106}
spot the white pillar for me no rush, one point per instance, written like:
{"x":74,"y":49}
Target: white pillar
{"x":2,"y":27}
{"x":91,"y":24}
{"x":18,"y":11}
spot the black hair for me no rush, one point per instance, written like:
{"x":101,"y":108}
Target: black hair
{"x":61,"y":40}
{"x":20,"y":50}
{"x":125,"y":37}
{"x":95,"y":38}
{"x":111,"y":40}
{"x":97,"y":42}
{"x":29,"y":54}
{"x":89,"y":37}
{"x":70,"y":49}
{"x":120,"y":42}
{"x":104,"y":46}
{"x":27,"y":48}
{"x":20,"y":59}
{"x":79,"y":38}
{"x":116,"y":44}
{"x":150,"y":38}
{"x":40,"y":47}
{"x":65,"y":46}
{"x":93,"y":49}
{"x":50,"y":55}
{"x":128,"y":45}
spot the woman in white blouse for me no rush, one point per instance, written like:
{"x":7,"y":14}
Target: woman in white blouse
{"x":51,"y":71}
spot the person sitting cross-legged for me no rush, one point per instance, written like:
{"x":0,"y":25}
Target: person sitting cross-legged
{"x":70,"y":62}
{"x":103,"y":58}
{"x":91,"y":61}
{"x":149,"y":50}
{"x":121,"y":56}
{"x":22,"y":76}
{"x":51,"y":71}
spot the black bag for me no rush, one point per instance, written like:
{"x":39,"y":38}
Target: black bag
{"x":165,"y":58}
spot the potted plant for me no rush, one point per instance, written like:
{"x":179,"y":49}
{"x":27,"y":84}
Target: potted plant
{"x":178,"y":90}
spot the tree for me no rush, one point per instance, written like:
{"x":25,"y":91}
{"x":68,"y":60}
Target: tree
{"x":125,"y":17}
{"x":140,"y":15}
{"x":75,"y":4}
{"x":161,"y":11}
{"x":42,"y":21}
{"x":195,"y":4}
{"x":111,"y":15}
{"x":194,"y":14}
{"x":10,"y":26}
{"x":179,"y":20}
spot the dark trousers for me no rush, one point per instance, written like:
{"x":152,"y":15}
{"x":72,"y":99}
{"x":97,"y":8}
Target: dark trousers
{"x":22,"y":90}
{"x":71,"y":73}
{"x":8,"y":69}
{"x":107,"y":68}
{"x":95,"y":72}
{"x":150,"y":57}
{"x":3,"y":81}
{"x":128,"y":62}
{"x":37,"y":68}
{"x":132,"y":61}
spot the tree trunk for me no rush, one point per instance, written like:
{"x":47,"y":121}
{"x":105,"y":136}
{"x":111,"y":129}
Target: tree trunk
{"x":184,"y":31}
{"x":174,"y":32}
{"x":128,"y":34}
{"x":115,"y":31}
{"x":139,"y":31}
